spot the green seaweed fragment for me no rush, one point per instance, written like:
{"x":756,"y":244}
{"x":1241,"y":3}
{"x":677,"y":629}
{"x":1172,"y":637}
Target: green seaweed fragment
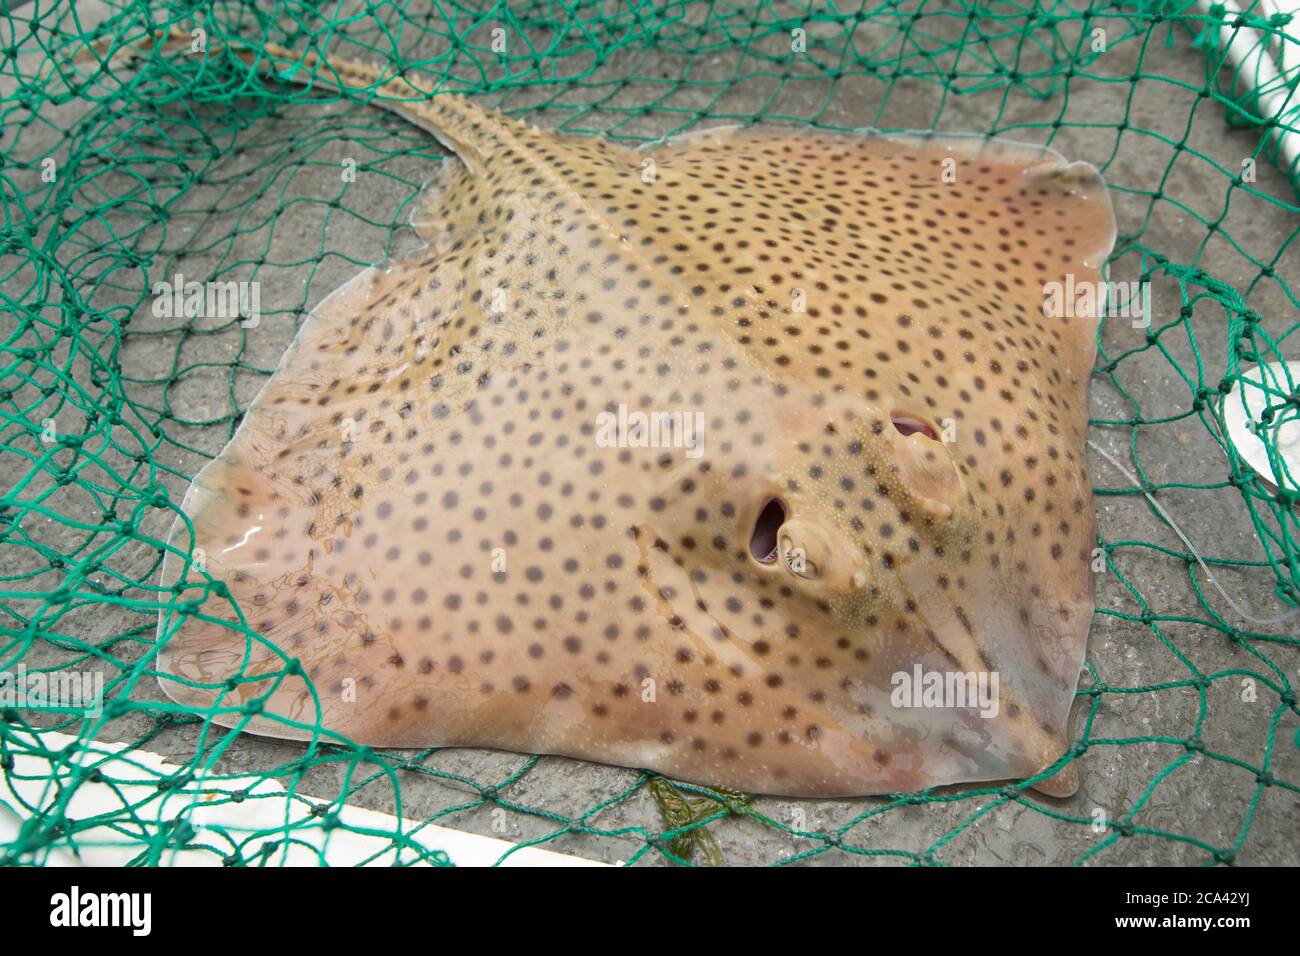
{"x":686,"y":816}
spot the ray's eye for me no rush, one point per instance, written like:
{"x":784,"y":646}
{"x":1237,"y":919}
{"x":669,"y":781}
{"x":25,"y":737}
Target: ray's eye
{"x":762,"y":543}
{"x":907,"y":425}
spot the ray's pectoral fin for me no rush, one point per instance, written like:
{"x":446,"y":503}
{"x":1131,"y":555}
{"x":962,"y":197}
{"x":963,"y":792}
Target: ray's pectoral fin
{"x":1079,"y":189}
{"x":1063,"y":783}
{"x":216,"y":660}
{"x":280,"y":514}
{"x":1074,"y":193}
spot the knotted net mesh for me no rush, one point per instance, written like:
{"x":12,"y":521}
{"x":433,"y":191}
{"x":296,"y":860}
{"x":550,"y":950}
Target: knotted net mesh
{"x":117,"y":178}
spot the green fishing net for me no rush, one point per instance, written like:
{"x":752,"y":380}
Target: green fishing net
{"x":115,"y":179}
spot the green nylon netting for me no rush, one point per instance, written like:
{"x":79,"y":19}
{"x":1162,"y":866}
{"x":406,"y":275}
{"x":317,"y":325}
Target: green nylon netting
{"x":1186,"y":720}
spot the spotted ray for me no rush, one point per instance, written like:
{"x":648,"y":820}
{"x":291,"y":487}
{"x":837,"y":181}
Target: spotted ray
{"x":429,"y":507}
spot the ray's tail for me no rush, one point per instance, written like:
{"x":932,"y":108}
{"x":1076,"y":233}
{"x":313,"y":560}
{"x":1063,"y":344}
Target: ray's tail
{"x":470,"y":131}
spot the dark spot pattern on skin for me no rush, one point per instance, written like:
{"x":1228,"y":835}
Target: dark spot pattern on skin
{"x":498,"y":571}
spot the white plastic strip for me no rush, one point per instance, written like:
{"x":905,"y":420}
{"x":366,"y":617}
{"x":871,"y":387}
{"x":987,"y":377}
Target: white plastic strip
{"x":1288,"y":45}
{"x":1259,"y":387}
{"x":35,"y":783}
{"x":1245,"y":48}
